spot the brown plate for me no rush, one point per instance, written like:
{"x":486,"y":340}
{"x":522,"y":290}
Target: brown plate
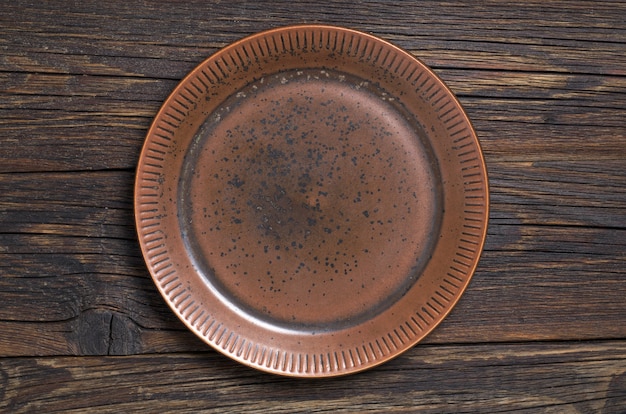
{"x":311,"y":201}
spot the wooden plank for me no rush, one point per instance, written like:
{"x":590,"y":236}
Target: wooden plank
{"x":563,"y":35}
{"x":54,"y":141}
{"x":70,"y":132}
{"x":107,"y":94}
{"x":574,"y":192}
{"x":558,"y":377}
{"x":562,"y":193}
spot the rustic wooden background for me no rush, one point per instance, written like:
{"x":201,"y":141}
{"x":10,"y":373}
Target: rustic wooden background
{"x":542,"y":327}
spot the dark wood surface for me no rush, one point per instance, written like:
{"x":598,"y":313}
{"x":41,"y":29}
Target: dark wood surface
{"x":542,"y":327}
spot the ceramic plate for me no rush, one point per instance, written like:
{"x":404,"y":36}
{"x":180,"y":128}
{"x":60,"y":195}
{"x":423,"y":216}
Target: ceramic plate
{"x":311,"y":201}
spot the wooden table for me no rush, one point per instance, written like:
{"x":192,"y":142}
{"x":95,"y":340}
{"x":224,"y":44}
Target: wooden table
{"x":542,"y":327}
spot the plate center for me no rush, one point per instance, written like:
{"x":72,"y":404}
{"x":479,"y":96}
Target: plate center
{"x":310,"y":200}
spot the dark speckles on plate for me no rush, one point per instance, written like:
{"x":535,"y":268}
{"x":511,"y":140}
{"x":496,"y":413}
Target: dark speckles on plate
{"x":310,"y":189}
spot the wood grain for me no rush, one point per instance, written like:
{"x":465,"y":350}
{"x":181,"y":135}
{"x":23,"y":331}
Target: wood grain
{"x":565,"y":378}
{"x":542,"y":326}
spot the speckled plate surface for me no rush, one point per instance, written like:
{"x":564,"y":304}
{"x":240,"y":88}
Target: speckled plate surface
{"x":311,"y":201}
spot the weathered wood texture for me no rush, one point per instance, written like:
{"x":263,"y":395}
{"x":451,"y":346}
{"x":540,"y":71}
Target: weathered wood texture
{"x":545,"y":86}
{"x":555,"y":378}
